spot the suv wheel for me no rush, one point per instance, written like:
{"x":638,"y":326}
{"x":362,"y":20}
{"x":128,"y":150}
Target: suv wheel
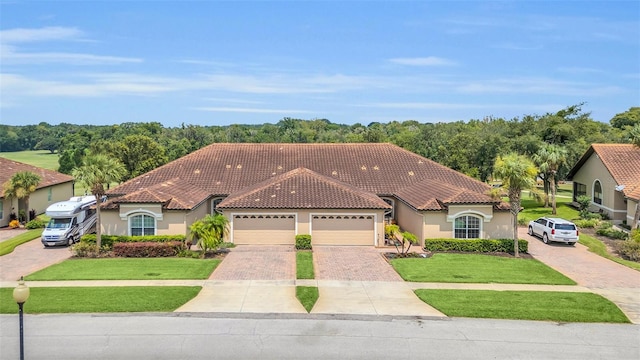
{"x":545,"y":238}
{"x":530,"y":231}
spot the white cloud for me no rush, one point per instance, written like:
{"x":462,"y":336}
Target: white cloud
{"x":423,"y":61}
{"x":21,"y":35}
{"x":538,"y":86}
{"x":251,"y":110}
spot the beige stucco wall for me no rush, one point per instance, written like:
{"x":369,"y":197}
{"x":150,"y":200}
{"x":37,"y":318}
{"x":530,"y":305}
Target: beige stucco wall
{"x":38,"y":200}
{"x":410,"y":220}
{"x":612,"y":201}
{"x":631,"y":211}
{"x":494,"y":225}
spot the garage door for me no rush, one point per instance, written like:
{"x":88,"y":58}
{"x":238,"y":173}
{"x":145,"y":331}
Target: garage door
{"x":265,"y":229}
{"x":342,"y":230}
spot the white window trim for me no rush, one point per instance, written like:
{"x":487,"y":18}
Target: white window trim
{"x":125,"y":216}
{"x":486,"y":218}
{"x":480,"y":230}
{"x":233,"y":215}
{"x":593,"y":193}
{"x":375,"y":222}
{"x":147,"y":213}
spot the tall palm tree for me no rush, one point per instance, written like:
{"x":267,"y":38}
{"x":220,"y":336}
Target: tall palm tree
{"x":517,"y":173}
{"x":21,"y":185}
{"x":550,"y":158}
{"x":95,"y":172}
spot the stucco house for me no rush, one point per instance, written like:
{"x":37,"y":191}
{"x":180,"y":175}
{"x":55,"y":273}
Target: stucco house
{"x":340,"y":194}
{"x":610,"y":175}
{"x":53,"y":187}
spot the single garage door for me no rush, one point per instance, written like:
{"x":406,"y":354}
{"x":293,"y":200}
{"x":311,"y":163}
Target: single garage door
{"x":265,"y":229}
{"x":343,"y":230}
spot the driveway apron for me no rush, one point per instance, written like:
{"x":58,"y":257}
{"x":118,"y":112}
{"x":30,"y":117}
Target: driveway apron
{"x":616,"y":282}
{"x":30,"y":257}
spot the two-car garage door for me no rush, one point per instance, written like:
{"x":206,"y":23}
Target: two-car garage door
{"x":342,"y":230}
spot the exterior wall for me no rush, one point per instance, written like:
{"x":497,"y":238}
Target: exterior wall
{"x":612,"y":201}
{"x":410,"y":220}
{"x":167,"y":222}
{"x":38,"y":200}
{"x":631,"y":211}
{"x":494,"y":225}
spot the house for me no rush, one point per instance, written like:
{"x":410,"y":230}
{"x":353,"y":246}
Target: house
{"x":610,"y":175}
{"x":340,"y":194}
{"x":53,"y":187}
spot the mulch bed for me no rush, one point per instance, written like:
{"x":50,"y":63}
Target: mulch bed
{"x":428,"y":254}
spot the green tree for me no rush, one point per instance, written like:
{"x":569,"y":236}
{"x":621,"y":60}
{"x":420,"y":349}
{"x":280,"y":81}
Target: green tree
{"x":630,"y":117}
{"x":96,"y":172}
{"x":209,"y":232}
{"x":517,"y":173}
{"x":50,"y":143}
{"x":20,"y":186}
{"x":549,"y":159}
{"x":634,"y":135}
{"x":140,"y":154}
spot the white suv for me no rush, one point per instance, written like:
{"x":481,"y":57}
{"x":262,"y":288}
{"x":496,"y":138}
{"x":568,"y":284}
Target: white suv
{"x":554,"y":229}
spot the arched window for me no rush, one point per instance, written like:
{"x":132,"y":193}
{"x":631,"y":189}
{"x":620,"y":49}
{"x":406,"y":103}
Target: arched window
{"x":142,"y":224}
{"x":597,"y":192}
{"x":467,"y":227}
{"x":214,"y":205}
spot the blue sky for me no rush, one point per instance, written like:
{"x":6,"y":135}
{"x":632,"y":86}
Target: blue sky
{"x":220,"y":63}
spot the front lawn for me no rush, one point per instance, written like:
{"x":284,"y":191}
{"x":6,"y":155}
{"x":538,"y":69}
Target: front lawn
{"x":127,"y":269}
{"x":7,"y":247}
{"x":99,"y":299}
{"x":524,"y":305}
{"x":476,"y":268}
{"x":598,"y":247}
{"x":304,"y":265}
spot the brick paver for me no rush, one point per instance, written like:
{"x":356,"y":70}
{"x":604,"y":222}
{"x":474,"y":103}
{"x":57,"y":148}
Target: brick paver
{"x":255,"y":262}
{"x":30,"y":257}
{"x":352,"y":263}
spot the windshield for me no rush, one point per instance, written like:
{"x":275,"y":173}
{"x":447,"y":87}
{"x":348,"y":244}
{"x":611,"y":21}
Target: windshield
{"x":59,"y":223}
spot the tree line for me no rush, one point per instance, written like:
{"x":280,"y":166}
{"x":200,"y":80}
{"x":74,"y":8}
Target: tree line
{"x":470,"y":147}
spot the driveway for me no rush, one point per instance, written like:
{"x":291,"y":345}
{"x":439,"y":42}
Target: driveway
{"x":352,"y":263}
{"x":616,"y":282}
{"x":30,"y":257}
{"x":258,"y":262}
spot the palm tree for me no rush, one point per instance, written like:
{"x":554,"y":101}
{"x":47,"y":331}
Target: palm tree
{"x":21,"y":185}
{"x":549,"y":158}
{"x":93,"y":174}
{"x":517,"y":173}
{"x":210,"y":231}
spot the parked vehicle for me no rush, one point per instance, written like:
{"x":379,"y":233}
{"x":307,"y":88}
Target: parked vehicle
{"x":69,"y":221}
{"x":554,"y":229}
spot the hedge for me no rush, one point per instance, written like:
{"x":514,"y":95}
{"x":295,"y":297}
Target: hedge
{"x":109,"y":240}
{"x":148,"y":249}
{"x":303,"y":242}
{"x":475,"y":245}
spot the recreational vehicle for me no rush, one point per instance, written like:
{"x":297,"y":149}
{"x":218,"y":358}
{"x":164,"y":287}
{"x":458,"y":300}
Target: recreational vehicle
{"x":69,"y":221}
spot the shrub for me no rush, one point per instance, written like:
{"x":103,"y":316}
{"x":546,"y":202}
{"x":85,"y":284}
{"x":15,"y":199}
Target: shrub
{"x":583,"y":205}
{"x":148,"y":249}
{"x":587,"y":223}
{"x":475,"y":245}
{"x":606,"y":229}
{"x":85,"y":249}
{"x":523,"y":221}
{"x":35,"y":224}
{"x":303,"y":242}
{"x":630,"y":248}
{"x":32,"y":214}
{"x":109,"y":240}
{"x":14,"y":224}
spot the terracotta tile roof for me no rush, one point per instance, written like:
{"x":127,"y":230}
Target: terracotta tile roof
{"x":621,"y":160}
{"x":303,"y":189}
{"x":432,"y":194}
{"x":48,"y":177}
{"x":173,"y":194}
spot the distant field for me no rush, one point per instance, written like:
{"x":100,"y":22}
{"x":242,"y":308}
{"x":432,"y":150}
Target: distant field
{"x":39,"y":158}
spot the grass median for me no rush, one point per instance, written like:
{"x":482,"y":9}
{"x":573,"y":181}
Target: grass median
{"x":477,"y":268}
{"x":304,"y":265}
{"x":127,"y":269}
{"x":45,"y":300}
{"x":307,"y":295}
{"x":598,"y":247}
{"x":7,"y":247}
{"x":524,"y":305}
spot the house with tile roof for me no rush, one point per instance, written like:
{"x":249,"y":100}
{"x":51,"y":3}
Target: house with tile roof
{"x":340,"y":194}
{"x":53,"y":187}
{"x":610,"y":175}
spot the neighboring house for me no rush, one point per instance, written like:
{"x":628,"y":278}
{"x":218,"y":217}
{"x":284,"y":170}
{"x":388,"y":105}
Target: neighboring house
{"x":610,"y":175}
{"x":53,"y":187}
{"x":340,"y":194}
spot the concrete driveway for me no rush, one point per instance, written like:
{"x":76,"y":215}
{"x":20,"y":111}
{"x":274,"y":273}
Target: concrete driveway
{"x":616,"y":282}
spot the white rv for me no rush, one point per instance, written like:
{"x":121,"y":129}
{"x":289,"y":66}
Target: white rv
{"x":69,"y":221}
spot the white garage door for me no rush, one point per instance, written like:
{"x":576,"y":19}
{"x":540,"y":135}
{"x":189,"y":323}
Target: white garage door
{"x":264,"y":229}
{"x":343,"y":230}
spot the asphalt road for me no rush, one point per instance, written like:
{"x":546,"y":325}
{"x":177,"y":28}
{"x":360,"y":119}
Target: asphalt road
{"x":218,"y":336}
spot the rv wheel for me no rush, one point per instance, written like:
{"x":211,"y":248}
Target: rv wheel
{"x":71,"y":241}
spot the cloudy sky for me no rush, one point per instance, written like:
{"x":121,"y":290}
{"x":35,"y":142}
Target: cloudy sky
{"x":219,"y":63}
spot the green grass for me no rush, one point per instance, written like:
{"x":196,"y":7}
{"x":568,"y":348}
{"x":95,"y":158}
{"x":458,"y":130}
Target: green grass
{"x":533,"y":209}
{"x":475,"y":268}
{"x":127,"y":269}
{"x":524,"y":305}
{"x":598,"y":247}
{"x":304,"y":265}
{"x":307,"y":295}
{"x":39,"y":158}
{"x":99,"y":299}
{"x":7,"y":246}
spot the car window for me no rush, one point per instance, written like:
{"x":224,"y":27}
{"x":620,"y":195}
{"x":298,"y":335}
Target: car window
{"x":550,"y":224}
{"x":565,"y":227}
{"x":542,"y":221}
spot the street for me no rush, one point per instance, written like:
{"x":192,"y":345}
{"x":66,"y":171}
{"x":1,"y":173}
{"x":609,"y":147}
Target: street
{"x":273,"y":336}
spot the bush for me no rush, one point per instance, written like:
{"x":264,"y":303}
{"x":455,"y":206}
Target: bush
{"x":109,"y":240}
{"x":606,"y":229}
{"x":583,"y":205}
{"x":630,"y":249}
{"x":35,"y":224}
{"x":148,"y":249}
{"x":303,"y":242}
{"x":14,"y":224}
{"x":592,"y":216}
{"x":475,"y":245}
{"x":84,"y":249}
{"x":587,"y":223}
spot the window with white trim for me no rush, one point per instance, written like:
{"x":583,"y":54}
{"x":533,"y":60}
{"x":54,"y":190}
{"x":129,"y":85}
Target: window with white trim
{"x":597,"y":192}
{"x":142,"y":225}
{"x":467,"y":227}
